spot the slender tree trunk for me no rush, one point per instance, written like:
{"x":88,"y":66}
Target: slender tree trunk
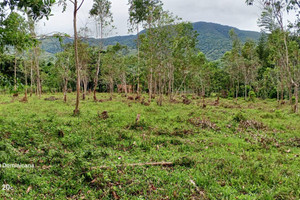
{"x":150,"y":84}
{"x":25,"y":71}
{"x":282,"y":90}
{"x":296,"y":98}
{"x":124,"y":83}
{"x":15,"y":73}
{"x":160,"y":89}
{"x":84,"y":81}
{"x":38,"y":77}
{"x":76,"y":111}
{"x":290,"y":94}
{"x":111,"y":87}
{"x":246,"y":84}
{"x":97,"y":76}
{"x":138,"y":67}
{"x":237,"y":91}
{"x":65,"y":89}
{"x":155,"y":85}
{"x":172,"y":92}
{"x":31,"y":77}
{"x":98,"y":63}
{"x":170,"y":82}
{"x":287,"y":65}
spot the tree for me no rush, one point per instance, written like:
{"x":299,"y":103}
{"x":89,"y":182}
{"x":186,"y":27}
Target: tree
{"x":15,"y":33}
{"x":77,"y":5}
{"x":186,"y":58}
{"x":272,"y":18}
{"x":63,"y":67}
{"x":36,"y":56}
{"x":141,"y":11}
{"x":112,"y":63}
{"x":235,"y":67}
{"x":101,"y":12}
{"x":36,"y":9}
{"x":250,"y":65}
{"x":84,"y":62}
{"x":295,"y":71}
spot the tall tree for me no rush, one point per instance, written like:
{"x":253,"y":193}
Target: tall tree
{"x":237,"y":61}
{"x":295,"y":71}
{"x":250,"y":65}
{"x":76,"y":6}
{"x":36,"y":55}
{"x":63,"y":68}
{"x":112,"y":62}
{"x":101,"y":11}
{"x":15,"y":33}
{"x":141,"y":11}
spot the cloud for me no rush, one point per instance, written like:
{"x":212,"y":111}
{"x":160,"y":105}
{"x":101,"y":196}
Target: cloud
{"x":228,"y":12}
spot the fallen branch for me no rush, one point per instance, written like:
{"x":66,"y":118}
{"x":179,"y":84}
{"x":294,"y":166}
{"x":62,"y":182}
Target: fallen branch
{"x":169,"y":164}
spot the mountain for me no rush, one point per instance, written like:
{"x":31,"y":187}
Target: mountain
{"x":213,"y":38}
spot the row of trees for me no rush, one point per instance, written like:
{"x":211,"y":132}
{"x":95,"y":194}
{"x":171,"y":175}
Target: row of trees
{"x":167,"y":61}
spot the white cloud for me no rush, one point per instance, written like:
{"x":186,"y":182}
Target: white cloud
{"x":228,"y":12}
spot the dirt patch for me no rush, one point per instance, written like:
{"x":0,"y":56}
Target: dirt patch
{"x":145,"y":103}
{"x":52,"y":98}
{"x":130,"y":98}
{"x":103,"y":115}
{"x":203,"y":123}
{"x":234,"y":105}
{"x":104,"y":100}
{"x":245,"y":124}
{"x":186,"y":101}
{"x":293,"y":142}
{"x":173,"y":100}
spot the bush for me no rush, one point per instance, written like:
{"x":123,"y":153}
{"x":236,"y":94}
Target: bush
{"x":239,"y":117}
{"x":252,"y":96}
{"x":278,"y":114}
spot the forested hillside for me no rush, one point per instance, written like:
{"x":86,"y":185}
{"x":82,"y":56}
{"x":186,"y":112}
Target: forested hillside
{"x":213,"y":39}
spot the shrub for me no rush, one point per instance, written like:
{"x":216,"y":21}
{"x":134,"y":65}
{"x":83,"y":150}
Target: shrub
{"x":239,"y":117}
{"x":252,"y":96}
{"x":278,"y":114}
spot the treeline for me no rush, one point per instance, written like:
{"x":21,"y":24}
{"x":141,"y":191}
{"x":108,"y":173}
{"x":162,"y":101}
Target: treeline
{"x":167,"y":61}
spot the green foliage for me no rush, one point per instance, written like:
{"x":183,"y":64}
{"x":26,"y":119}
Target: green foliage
{"x":142,"y":11}
{"x":101,"y":11}
{"x":14,"y":32}
{"x":252,"y":96}
{"x":36,"y":9}
{"x":239,"y":117}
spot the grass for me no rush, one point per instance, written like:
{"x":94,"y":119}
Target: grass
{"x":230,"y":151}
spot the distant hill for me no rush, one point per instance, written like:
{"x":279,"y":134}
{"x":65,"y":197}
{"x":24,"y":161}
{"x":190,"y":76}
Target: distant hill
{"x":213,"y":38}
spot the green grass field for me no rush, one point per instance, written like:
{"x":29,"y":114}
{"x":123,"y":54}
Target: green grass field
{"x":248,"y":150}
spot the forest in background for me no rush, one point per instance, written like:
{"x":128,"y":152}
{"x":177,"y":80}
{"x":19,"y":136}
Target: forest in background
{"x":167,"y":60}
{"x":213,"y":40}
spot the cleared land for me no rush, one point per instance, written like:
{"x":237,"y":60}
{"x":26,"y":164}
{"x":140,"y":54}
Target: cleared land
{"x":248,"y":150}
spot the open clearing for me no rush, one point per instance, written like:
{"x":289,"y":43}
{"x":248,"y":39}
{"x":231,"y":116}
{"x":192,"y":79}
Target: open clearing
{"x":248,"y":150}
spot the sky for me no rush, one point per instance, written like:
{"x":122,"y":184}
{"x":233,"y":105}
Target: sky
{"x":226,"y":12}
